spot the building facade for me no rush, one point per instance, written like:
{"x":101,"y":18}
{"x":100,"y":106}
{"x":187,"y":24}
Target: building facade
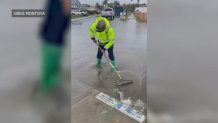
{"x":75,"y":4}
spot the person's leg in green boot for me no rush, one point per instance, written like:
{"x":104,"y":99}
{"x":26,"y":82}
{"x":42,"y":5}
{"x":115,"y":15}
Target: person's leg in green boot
{"x":98,"y":64}
{"x":52,"y":34}
{"x":51,"y":58}
{"x":113,"y":63}
{"x":99,"y":57}
{"x":111,"y":56}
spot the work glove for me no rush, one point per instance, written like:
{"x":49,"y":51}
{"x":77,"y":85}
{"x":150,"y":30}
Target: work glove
{"x":94,"y":41}
{"x":102,"y":49}
{"x":105,"y":48}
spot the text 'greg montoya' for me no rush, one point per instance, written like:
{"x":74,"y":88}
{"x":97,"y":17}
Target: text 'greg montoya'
{"x":28,"y":13}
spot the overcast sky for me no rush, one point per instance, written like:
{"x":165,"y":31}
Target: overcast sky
{"x":92,"y":2}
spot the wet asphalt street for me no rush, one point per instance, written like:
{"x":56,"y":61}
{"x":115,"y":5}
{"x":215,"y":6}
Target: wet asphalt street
{"x":130,"y":54}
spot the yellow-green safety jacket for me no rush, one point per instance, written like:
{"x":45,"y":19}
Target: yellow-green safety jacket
{"x":105,"y":37}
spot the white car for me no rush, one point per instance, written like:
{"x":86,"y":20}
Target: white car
{"x":108,"y":13}
{"x":79,"y":12}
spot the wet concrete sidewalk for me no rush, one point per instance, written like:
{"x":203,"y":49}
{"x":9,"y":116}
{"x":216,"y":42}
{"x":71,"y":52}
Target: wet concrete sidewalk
{"x":94,"y":111}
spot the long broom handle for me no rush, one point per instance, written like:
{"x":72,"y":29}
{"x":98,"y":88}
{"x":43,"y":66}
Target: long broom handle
{"x":108,"y":60}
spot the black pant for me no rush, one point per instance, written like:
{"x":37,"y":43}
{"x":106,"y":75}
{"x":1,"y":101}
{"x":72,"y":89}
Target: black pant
{"x":110,"y":52}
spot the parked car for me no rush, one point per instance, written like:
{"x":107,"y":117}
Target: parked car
{"x":108,"y":13}
{"x":79,"y":12}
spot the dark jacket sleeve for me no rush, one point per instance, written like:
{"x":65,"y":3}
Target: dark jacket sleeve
{"x":55,"y":23}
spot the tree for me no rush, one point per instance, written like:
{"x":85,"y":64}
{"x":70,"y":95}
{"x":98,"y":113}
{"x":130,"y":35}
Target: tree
{"x":138,"y":1}
{"x":98,"y":6}
{"x":129,"y":7}
{"x":116,"y":3}
{"x":105,"y":2}
{"x":102,"y":6}
{"x":124,"y":6}
{"x":111,"y":5}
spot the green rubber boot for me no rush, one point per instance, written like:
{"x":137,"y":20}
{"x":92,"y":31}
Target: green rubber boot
{"x":98,"y":65}
{"x":113,"y":63}
{"x":51,"y":62}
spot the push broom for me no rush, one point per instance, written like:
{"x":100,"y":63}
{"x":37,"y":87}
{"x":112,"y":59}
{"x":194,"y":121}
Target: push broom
{"x":122,"y":82}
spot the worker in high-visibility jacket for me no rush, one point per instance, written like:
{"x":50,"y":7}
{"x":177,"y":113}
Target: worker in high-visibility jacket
{"x":102,"y":32}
